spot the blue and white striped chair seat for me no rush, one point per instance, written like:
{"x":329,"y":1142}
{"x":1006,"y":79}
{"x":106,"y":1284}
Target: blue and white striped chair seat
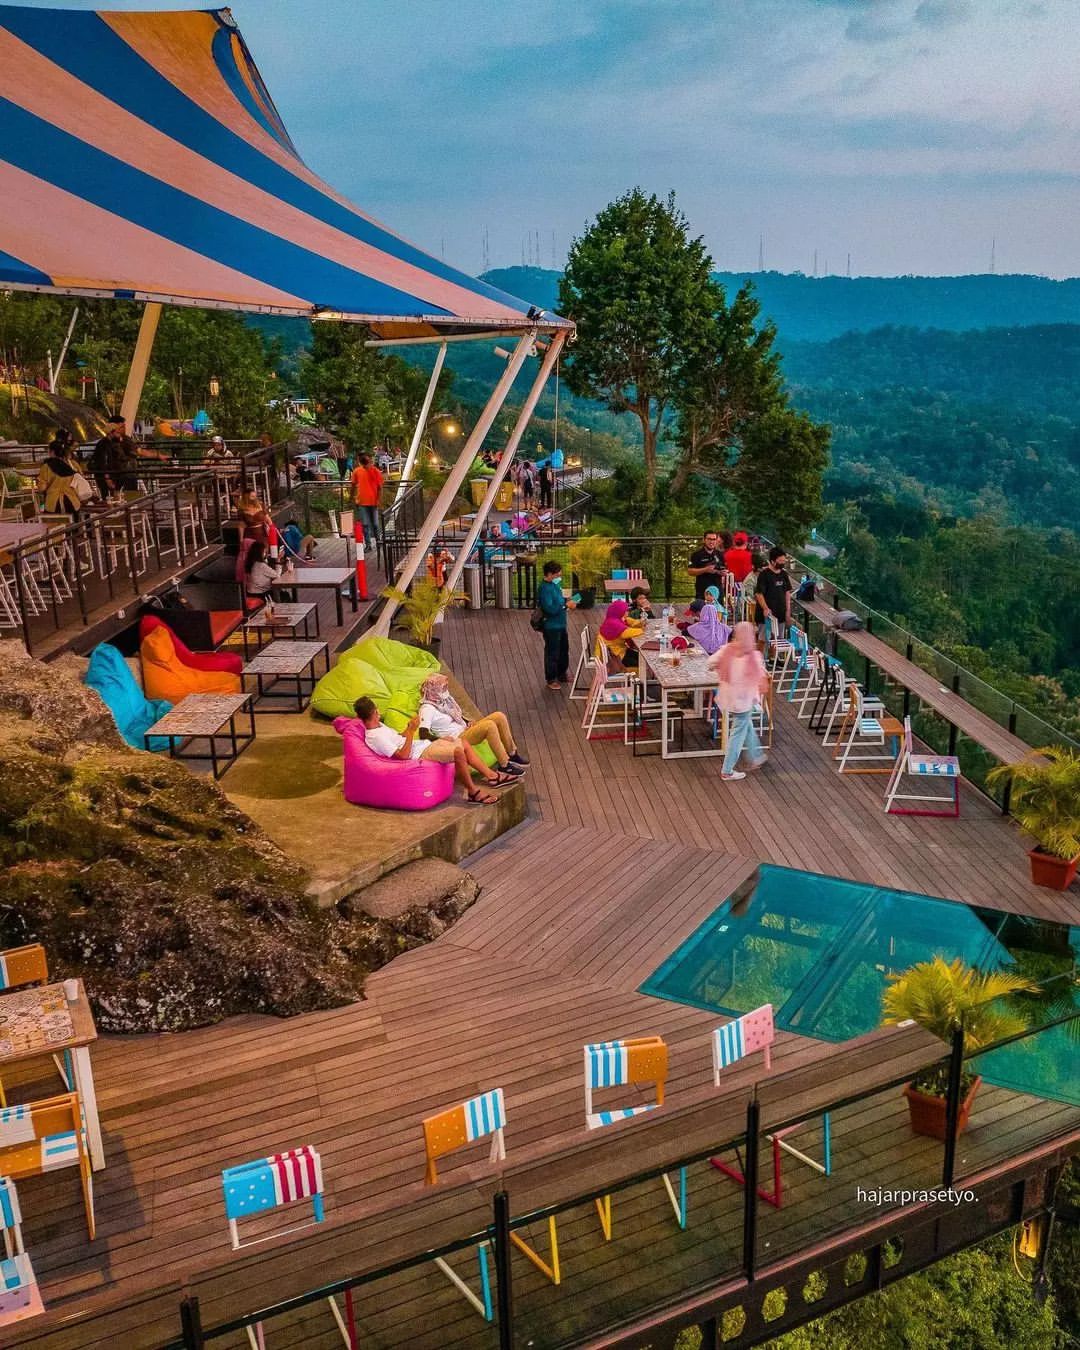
{"x":869,"y":726}
{"x":607,"y":1062}
{"x":599,"y":1118}
{"x":485,"y":1114}
{"x":945,"y":767}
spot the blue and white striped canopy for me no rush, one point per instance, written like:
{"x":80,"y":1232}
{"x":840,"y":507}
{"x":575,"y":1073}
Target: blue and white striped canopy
{"x":141,"y":157}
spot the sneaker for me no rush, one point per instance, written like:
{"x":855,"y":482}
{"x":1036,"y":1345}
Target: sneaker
{"x":758,"y":763}
{"x":510,"y":767}
{"x":554,"y":684}
{"x":733,"y":776}
{"x":518,"y":758}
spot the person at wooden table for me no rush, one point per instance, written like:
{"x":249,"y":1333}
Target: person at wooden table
{"x":618,"y":632}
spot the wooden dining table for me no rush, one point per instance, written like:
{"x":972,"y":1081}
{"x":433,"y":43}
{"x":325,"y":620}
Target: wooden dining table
{"x":40,"y":1022}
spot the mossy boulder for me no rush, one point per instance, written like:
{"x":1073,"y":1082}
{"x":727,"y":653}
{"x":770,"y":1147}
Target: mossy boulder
{"x":146,"y":881}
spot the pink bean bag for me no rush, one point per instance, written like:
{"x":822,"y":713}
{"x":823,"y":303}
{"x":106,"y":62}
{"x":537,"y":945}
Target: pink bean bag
{"x":400,"y":784}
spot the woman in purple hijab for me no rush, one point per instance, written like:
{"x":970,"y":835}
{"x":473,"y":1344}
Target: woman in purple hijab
{"x":710,"y":630}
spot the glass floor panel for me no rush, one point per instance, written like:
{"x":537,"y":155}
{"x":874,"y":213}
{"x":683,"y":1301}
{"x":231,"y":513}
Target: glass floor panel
{"x":819,"y":949}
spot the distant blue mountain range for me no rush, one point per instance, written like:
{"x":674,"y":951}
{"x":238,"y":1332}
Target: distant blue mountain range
{"x":815,"y":309}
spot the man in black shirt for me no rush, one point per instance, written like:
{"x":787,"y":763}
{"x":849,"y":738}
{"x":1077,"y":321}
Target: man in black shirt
{"x":113,"y":457}
{"x":707,"y":565}
{"x":772,"y":595}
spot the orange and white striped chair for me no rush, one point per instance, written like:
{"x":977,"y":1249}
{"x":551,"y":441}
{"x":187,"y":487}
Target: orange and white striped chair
{"x":617,"y":1064}
{"x":43,"y":1137}
{"x":452,"y":1129}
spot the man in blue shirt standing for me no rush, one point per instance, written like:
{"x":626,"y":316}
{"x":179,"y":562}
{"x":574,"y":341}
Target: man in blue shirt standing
{"x":553,"y":605}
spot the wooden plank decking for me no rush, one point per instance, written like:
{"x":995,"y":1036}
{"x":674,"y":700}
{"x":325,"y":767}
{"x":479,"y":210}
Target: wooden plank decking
{"x":621,"y":859}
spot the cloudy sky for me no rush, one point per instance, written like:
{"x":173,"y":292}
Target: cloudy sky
{"x":908,"y":133}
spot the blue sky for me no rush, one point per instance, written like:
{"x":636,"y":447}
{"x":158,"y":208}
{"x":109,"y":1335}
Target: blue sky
{"x":910,"y":133}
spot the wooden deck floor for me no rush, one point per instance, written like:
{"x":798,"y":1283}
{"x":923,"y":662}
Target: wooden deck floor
{"x":620,"y":860}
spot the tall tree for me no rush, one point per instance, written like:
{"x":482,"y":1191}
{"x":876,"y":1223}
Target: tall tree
{"x":639,"y":290}
{"x":728,"y":378}
{"x":777,"y":477}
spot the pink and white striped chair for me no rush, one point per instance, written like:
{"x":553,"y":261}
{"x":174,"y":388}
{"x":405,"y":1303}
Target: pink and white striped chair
{"x":735,"y":1041}
{"x":922,"y":767}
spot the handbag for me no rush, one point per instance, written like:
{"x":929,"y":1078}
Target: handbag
{"x":536,"y":619}
{"x":807,"y":589}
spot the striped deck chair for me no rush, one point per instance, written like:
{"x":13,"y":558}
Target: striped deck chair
{"x":267,"y":1184}
{"x":733,"y":1042}
{"x":611,"y":695}
{"x":453,"y":1129}
{"x":18,"y":1284}
{"x":584,"y":668}
{"x":778,"y":649}
{"x":43,"y":1137}
{"x":613,"y":1064}
{"x":908,"y":764}
{"x":869,"y":737}
{"x":800,"y":645}
{"x":631,"y":575}
{"x":21,"y":967}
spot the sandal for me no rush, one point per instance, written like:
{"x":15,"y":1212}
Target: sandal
{"x":480,"y":797}
{"x":502,"y":780}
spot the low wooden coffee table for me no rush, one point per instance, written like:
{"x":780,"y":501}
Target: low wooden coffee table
{"x":206,"y":717}
{"x":286,"y":661}
{"x":284,"y":622}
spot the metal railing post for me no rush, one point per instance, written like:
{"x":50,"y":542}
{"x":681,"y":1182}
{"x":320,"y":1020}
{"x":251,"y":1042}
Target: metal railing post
{"x":952,"y":1103}
{"x":504,"y":1300}
{"x":668,"y":576}
{"x":191,"y":1323}
{"x":750,"y":1195}
{"x":129,"y":534}
{"x":20,"y":589}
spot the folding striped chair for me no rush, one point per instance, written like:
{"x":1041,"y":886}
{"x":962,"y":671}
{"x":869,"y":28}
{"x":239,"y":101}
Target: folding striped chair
{"x":585,"y":667}
{"x":732,"y":1043}
{"x":614,"y":1064}
{"x":846,"y":695}
{"x":271,"y":1183}
{"x":43,"y":1137}
{"x":611,"y":695}
{"x":800,"y":646}
{"x":453,"y":1129}
{"x":910,"y":765}
{"x":21,"y":967}
{"x":869,"y":737}
{"x":778,"y":650}
{"x":268,"y":1183}
{"x":19,"y":1295}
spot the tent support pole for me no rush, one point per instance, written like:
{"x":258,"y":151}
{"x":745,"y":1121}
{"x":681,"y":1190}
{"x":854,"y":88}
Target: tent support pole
{"x":452,"y":486}
{"x":140,"y":362}
{"x":421,"y":423}
{"x":524,"y":417}
{"x":54,"y":373}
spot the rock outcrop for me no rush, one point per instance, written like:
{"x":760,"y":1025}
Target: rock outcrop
{"x":146,"y":881}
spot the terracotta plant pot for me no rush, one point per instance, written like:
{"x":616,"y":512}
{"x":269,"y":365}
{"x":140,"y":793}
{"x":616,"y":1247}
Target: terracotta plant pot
{"x":1049,"y":870}
{"x":928,"y":1112}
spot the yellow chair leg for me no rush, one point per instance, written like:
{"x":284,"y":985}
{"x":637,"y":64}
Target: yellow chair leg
{"x":603,"y":1209}
{"x":551,"y":1271}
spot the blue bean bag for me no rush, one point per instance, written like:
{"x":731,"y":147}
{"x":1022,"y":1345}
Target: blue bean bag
{"x":132,"y":711}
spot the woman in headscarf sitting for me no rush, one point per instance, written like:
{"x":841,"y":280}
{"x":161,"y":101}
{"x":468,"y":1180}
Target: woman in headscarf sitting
{"x":442,"y":715}
{"x":618,"y":632}
{"x":710,"y":630}
{"x":61,"y":478}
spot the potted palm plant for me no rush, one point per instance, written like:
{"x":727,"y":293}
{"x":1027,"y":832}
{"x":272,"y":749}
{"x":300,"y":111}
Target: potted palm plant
{"x":1046,"y":802}
{"x":939,"y":995}
{"x":590,"y":561}
{"x":421,"y":608}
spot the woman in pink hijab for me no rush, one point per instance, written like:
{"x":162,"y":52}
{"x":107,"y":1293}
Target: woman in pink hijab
{"x":618,"y":632}
{"x":743,"y":680}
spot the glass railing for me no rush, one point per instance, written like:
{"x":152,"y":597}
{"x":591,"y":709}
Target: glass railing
{"x":829,"y":1160}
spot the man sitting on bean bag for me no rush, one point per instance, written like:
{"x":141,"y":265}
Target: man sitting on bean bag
{"x":393,"y":744}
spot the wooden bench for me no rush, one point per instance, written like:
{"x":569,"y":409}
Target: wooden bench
{"x":962,"y":717}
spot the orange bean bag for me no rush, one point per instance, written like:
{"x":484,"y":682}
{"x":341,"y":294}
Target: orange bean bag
{"x":166,"y":676}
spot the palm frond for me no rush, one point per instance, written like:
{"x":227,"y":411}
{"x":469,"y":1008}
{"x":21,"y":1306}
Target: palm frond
{"x":939,"y":995}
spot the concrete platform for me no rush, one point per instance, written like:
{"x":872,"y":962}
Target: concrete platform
{"x":289,"y":783}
